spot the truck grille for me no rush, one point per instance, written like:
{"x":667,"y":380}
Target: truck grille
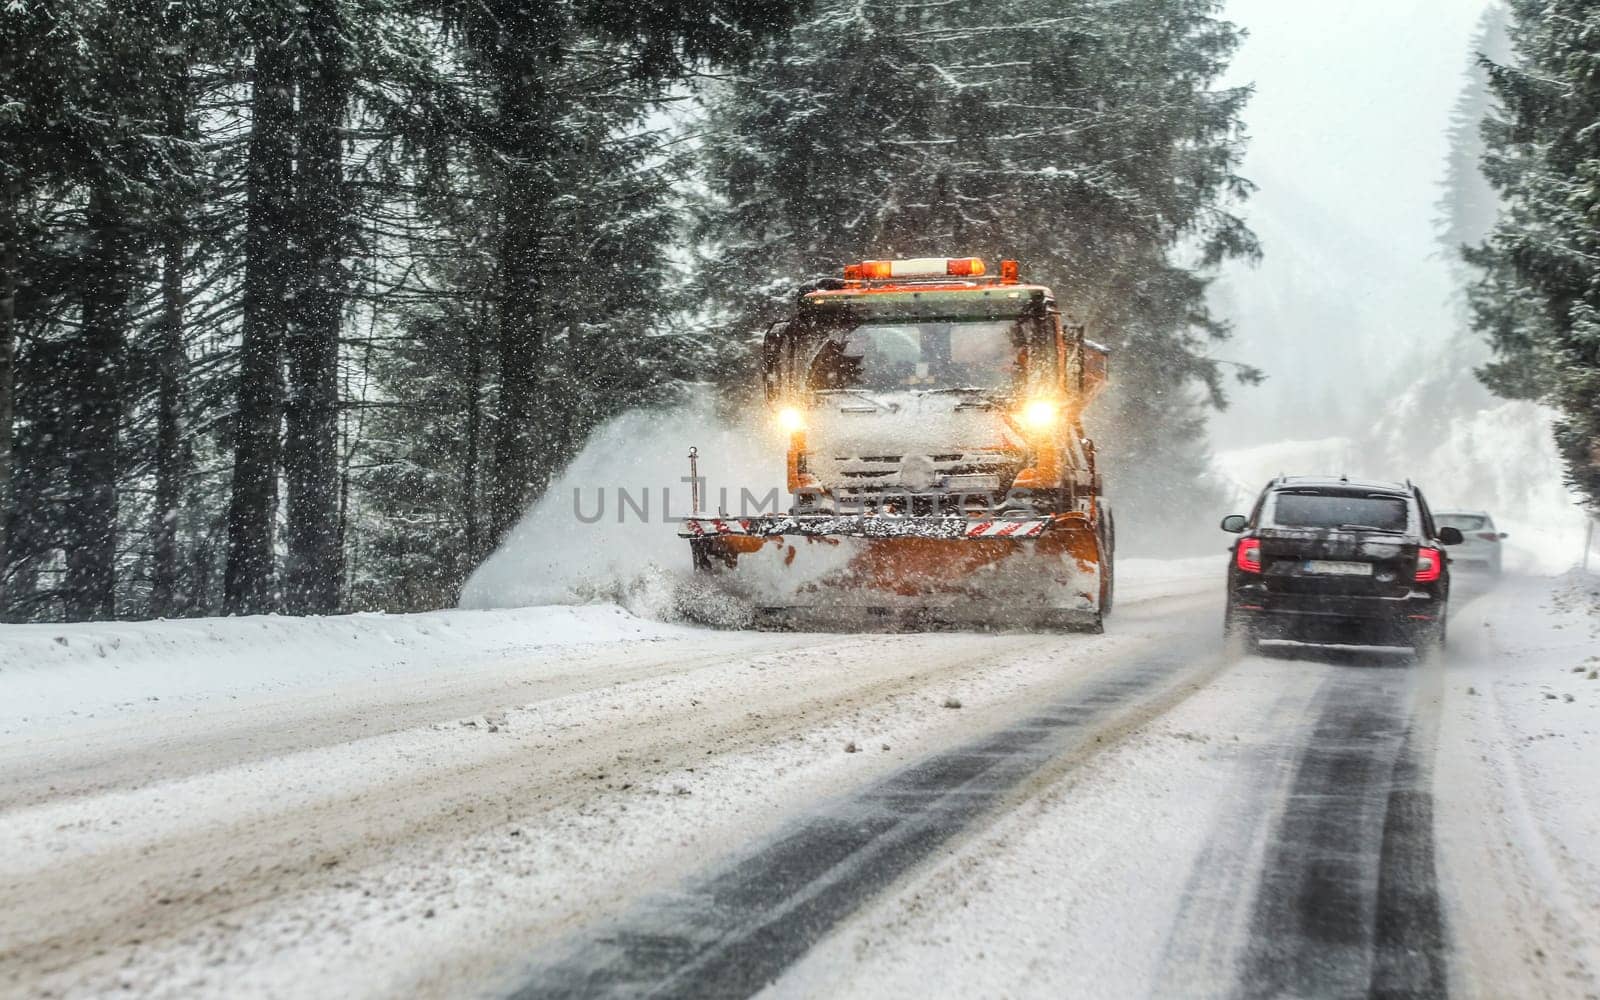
{"x":914,"y":480}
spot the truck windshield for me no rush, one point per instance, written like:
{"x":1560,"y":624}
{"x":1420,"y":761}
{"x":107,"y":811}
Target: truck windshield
{"x":1334,"y":510}
{"x":884,"y":357}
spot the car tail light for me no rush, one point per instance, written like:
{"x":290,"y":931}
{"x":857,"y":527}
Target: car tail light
{"x":1489,"y":536}
{"x":1248,"y":555}
{"x":1430,"y":563}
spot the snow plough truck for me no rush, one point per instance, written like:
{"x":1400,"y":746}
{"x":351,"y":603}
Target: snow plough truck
{"x":938,"y":471}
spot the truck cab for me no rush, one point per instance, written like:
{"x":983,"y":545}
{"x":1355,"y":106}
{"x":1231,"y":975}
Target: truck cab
{"x":925,"y":386}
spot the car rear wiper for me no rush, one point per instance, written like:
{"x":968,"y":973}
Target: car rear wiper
{"x":1371,"y":527}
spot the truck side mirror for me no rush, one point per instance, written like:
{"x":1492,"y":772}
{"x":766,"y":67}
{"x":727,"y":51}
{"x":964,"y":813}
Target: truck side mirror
{"x":1235,"y":523}
{"x":1450,"y":536}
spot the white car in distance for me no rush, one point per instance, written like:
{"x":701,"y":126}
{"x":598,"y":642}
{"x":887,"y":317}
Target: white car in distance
{"x":1481,"y":548}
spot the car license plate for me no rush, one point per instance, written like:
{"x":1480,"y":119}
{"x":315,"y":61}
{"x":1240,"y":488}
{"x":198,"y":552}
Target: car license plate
{"x":1327,"y":567}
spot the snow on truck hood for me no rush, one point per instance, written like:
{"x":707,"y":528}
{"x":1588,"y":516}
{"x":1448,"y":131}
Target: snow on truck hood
{"x":856,"y":425}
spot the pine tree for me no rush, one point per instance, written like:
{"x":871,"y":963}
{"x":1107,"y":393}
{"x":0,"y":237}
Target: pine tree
{"x":420,"y":530}
{"x":1538,"y":297}
{"x":312,"y":573}
{"x":94,"y":366}
{"x":249,"y":582}
{"x":301,"y":226}
{"x":226,"y":234}
{"x":1443,"y":387}
{"x":44,"y":136}
{"x":172,"y":366}
{"x":1469,"y":203}
{"x":1086,"y":139}
{"x":558,"y":79}
{"x":586,"y":337}
{"x":88,"y":156}
{"x":10,"y":264}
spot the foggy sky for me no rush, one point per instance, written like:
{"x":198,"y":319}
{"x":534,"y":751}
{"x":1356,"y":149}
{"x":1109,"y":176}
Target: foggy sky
{"x":1347,"y":144}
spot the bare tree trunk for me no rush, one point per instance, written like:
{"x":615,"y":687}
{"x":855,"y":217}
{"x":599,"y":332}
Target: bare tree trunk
{"x":526,"y":190}
{"x":311,"y":459}
{"x":469,"y":486}
{"x":172,"y":364}
{"x":520,"y":430}
{"x":253,"y":505}
{"x":91,"y":465}
{"x":352,"y":445}
{"x":10,"y":261}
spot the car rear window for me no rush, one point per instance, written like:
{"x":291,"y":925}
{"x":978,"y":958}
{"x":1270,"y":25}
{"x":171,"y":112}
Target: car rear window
{"x":1325,"y":510}
{"x":1461,"y":522}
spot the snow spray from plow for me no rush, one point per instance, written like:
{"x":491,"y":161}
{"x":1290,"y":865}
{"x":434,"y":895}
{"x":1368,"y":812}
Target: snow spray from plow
{"x":604,"y":530}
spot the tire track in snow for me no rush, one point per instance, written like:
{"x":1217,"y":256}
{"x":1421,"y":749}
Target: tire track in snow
{"x":1348,"y":904}
{"x":1409,"y":932}
{"x":1214,"y":913}
{"x":734,"y":930}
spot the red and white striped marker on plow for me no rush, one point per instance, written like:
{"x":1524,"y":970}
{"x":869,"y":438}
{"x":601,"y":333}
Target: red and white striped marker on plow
{"x":1006,"y":529}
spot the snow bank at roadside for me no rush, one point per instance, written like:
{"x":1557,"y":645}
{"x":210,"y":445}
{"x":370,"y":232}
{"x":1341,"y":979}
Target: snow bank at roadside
{"x":1517,"y":811}
{"x":1544,"y":678}
{"x":55,"y":671}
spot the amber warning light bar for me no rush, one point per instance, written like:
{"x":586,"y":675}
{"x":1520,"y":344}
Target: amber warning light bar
{"x":921,"y":267}
{"x":929,"y":267}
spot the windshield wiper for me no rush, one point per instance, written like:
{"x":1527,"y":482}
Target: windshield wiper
{"x":863,"y":394}
{"x":1371,"y":527}
{"x":985,"y":397}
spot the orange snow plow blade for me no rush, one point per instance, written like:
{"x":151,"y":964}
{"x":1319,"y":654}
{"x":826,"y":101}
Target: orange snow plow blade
{"x":827,"y":573}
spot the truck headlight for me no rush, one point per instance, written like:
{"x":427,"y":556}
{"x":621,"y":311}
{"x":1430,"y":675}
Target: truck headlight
{"x":1039,"y":414}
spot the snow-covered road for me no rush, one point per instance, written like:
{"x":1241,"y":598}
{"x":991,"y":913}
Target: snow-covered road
{"x":575,"y":802}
